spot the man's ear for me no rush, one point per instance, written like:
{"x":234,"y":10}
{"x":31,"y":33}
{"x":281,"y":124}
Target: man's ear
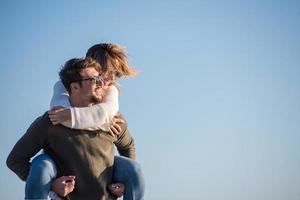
{"x":74,"y":87}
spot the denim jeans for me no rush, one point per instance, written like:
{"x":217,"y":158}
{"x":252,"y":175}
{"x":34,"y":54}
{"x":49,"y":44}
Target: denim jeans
{"x":43,"y":170}
{"x":128,"y":172}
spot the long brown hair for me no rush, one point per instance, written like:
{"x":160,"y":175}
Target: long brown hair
{"x":113,"y":59}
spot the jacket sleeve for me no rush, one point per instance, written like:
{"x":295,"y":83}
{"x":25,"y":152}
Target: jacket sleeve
{"x":125,"y":142}
{"x":30,"y":144}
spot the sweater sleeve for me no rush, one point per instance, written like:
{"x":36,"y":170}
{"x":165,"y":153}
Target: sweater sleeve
{"x":60,"y":96}
{"x":97,"y":116}
{"x":125,"y":142}
{"x":29,"y":145}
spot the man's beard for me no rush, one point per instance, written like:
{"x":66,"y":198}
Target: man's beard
{"x":98,"y":96}
{"x":95,"y":99}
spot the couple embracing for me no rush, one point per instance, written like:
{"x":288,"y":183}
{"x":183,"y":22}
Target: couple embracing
{"x":79,"y":134}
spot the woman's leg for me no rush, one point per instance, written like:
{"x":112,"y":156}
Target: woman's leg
{"x":128,"y":172}
{"x":38,"y":183}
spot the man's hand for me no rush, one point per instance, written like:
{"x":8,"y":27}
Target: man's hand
{"x":59,"y":115}
{"x":63,"y":185}
{"x":115,"y":128}
{"x":117,"y":189}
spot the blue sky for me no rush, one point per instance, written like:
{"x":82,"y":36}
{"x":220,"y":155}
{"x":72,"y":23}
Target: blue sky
{"x":215,"y":110}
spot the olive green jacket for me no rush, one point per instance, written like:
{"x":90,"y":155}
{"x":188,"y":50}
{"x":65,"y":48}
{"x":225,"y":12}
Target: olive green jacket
{"x":88,"y":155}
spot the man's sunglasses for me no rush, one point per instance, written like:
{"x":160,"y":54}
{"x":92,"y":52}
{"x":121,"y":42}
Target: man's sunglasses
{"x":95,"y":79}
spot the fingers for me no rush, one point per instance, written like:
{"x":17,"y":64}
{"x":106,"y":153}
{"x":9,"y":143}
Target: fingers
{"x":117,"y":189}
{"x":70,"y":186}
{"x":63,"y":185}
{"x":115,"y":130}
{"x":57,"y":108}
{"x":115,"y":122}
{"x":53,"y":118}
{"x":55,"y":111}
{"x":69,"y":182}
{"x":112,"y":130}
{"x":59,"y":115}
{"x":111,"y":133}
{"x":51,"y":112}
{"x":68,"y":178}
{"x":119,"y":121}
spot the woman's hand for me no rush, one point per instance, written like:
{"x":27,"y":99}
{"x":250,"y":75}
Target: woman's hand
{"x":59,"y":115}
{"x":115,"y":128}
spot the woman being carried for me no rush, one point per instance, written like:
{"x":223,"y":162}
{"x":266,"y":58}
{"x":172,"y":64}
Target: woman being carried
{"x":104,"y":116}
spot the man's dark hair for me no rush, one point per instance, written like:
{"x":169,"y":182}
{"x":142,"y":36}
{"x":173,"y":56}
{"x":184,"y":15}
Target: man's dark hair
{"x":70,"y":72}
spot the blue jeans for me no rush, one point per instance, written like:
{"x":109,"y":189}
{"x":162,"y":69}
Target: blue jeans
{"x":43,"y":170}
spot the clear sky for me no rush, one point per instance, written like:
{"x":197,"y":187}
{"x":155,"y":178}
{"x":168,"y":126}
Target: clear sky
{"x":215,"y":110}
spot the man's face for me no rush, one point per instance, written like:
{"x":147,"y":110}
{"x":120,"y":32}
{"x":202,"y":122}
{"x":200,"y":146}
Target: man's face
{"x":89,"y":90}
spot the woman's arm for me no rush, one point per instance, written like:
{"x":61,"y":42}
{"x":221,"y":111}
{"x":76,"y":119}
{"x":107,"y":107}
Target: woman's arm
{"x":99,"y":115}
{"x":59,"y":106}
{"x":88,"y":118}
{"x":60,"y":96}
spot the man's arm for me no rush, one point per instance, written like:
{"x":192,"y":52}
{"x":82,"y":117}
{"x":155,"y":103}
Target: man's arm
{"x":30,"y":144}
{"x":125,"y":142}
